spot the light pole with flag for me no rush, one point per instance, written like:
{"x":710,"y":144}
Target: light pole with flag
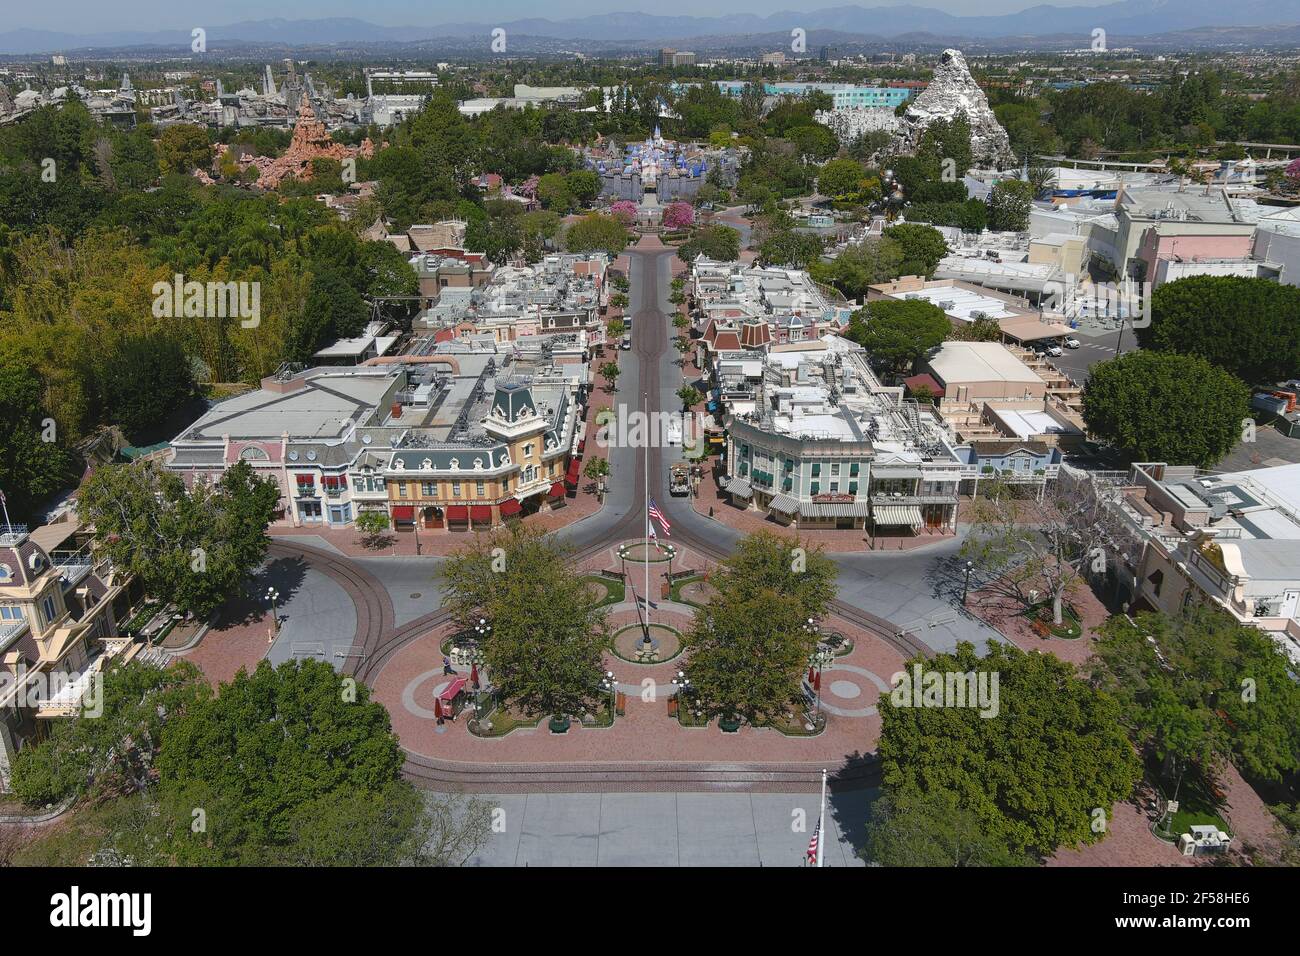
{"x":816,"y":851}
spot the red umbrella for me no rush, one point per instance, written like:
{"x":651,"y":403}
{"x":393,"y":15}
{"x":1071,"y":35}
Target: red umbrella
{"x":810,"y":673}
{"x":817,"y":682}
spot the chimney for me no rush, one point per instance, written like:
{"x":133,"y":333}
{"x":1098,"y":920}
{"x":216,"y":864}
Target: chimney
{"x":396,"y":410}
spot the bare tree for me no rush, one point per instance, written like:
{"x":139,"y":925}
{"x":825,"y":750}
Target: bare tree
{"x":1026,"y":547}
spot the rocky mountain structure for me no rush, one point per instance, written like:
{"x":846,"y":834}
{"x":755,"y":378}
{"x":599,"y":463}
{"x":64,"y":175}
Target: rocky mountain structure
{"x":952,"y":91}
{"x":851,"y":122}
{"x":311,"y":140}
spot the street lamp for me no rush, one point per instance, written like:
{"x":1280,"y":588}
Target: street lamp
{"x":818,"y":661}
{"x":273,"y":596}
{"x":609,"y":683}
{"x":965,"y":587}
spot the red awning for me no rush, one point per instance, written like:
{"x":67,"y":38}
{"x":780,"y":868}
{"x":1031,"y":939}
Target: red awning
{"x":557,"y":490}
{"x":457,"y":513}
{"x":572,"y":476}
{"x":455,"y":687}
{"x":404,"y":513}
{"x":582,"y":446}
{"x":480,"y":512}
{"x":510,"y":507}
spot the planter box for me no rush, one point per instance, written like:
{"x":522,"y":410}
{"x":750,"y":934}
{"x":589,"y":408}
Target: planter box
{"x":729,"y":725}
{"x":559,"y":725}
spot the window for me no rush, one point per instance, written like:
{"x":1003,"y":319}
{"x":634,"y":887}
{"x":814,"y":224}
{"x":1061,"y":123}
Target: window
{"x":528,"y":450}
{"x":853,"y":470}
{"x":835,"y":487}
{"x":11,"y":612}
{"x":816,"y":487}
{"x":455,"y":489}
{"x":817,"y":468}
{"x":479,"y":489}
{"x":835,"y":469}
{"x":401,"y":489}
{"x":47,"y":606}
{"x":429,"y":489}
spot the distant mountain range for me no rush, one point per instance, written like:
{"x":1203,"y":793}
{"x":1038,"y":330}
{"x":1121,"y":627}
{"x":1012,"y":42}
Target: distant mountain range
{"x":1205,"y":22}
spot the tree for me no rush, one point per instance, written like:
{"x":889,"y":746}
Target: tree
{"x":34,"y":466}
{"x":113,"y":751}
{"x":841,"y":178}
{"x":983,"y":328}
{"x":931,"y":829}
{"x":1162,"y":406}
{"x":1034,"y":773}
{"x":597,"y":469}
{"x":689,"y":395}
{"x":792,"y":249}
{"x":750,"y":646}
{"x":192,"y":547}
{"x":679,"y":215}
{"x":553,"y":192}
{"x":182,"y":148}
{"x":583,"y":185}
{"x":1009,"y":203}
{"x":860,"y":266}
{"x":372,"y":524}
{"x":596,"y":233}
{"x":1249,"y":327}
{"x":922,"y":247}
{"x":292,"y":765}
{"x":616,"y":328}
{"x":548,"y":635}
{"x":609,"y":371}
{"x":897,"y":333}
{"x":719,"y":243}
{"x":144,"y":380}
{"x":1201,"y":687}
{"x":1030,"y":549}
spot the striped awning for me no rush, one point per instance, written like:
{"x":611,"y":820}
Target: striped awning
{"x":852,"y":509}
{"x":739,"y":487}
{"x":784,"y":504}
{"x":897,"y":515}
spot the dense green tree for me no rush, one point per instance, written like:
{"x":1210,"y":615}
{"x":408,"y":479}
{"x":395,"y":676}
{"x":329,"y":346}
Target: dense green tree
{"x":34,"y":463}
{"x":548,"y":633}
{"x":1200,"y":687}
{"x":182,"y":148}
{"x":1033,"y":767}
{"x":1250,"y":327}
{"x":144,"y":380}
{"x":193,"y":547}
{"x":922,"y":247}
{"x":861,"y":265}
{"x":1161,"y":406}
{"x":596,"y":233}
{"x":897,"y":333}
{"x":1009,"y":204}
{"x":931,"y":829}
{"x":719,"y":243}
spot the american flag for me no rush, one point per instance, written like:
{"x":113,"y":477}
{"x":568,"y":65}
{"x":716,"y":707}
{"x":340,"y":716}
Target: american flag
{"x":812,"y":844}
{"x":658,"y":515}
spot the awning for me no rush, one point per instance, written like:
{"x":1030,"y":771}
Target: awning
{"x":557,"y":490}
{"x":480,"y":513}
{"x":574,"y":468}
{"x":853,"y":509}
{"x":510,"y":506}
{"x":897,"y":514}
{"x":739,"y":488}
{"x":404,"y":513}
{"x":457,"y":513}
{"x":452,"y":689}
{"x":784,"y":504}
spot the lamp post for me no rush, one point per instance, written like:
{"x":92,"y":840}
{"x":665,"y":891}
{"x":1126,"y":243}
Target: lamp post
{"x":965,"y":587}
{"x":273,"y":596}
{"x":819,"y":660}
{"x":476,"y":659}
{"x":610,"y":683}
{"x":683,"y":685}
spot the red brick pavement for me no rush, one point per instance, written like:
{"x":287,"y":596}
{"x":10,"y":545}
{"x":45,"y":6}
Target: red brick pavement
{"x":1002,"y":613}
{"x":238,"y":641}
{"x":646,"y":733}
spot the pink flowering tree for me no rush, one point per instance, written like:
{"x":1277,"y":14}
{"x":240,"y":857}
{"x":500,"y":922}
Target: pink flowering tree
{"x":679,"y":215}
{"x":624,"y":211}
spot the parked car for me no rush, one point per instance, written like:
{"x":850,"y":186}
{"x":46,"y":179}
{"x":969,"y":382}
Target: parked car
{"x":627,"y":341}
{"x":1054,"y":350}
{"x":1071,"y":343}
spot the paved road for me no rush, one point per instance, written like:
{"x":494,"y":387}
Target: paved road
{"x":1094,"y":346}
{"x":672,"y":829}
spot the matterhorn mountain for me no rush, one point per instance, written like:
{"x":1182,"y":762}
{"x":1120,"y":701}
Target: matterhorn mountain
{"x":952,"y":91}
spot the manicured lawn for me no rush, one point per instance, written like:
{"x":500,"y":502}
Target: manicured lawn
{"x":1070,"y":627}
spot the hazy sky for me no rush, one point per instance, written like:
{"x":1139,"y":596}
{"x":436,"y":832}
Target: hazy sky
{"x":87,"y":16}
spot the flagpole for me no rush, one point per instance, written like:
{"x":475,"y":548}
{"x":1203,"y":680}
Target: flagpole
{"x":4,"y":503}
{"x":645,"y":407}
{"x":821,"y":824}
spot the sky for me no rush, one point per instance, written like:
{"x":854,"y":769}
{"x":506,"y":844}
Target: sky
{"x":89,"y":16}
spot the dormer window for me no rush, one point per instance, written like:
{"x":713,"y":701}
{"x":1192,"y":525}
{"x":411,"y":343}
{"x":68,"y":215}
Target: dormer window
{"x":478,"y":464}
{"x":455,"y":463}
{"x":427,"y":464}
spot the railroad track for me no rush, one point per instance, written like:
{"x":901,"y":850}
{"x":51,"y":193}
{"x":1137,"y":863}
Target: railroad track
{"x":379,"y":638}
